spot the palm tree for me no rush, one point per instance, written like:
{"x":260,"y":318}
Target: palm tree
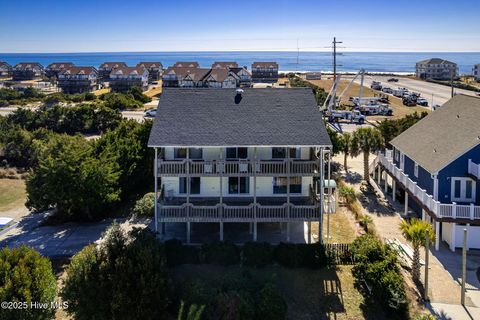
{"x":345,"y":146}
{"x":365,"y":221}
{"x":366,"y":140}
{"x":415,"y":231}
{"x":194,"y":312}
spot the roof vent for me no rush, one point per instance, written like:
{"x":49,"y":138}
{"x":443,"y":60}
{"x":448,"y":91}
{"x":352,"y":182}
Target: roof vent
{"x":238,"y":96}
{"x":458,"y":116}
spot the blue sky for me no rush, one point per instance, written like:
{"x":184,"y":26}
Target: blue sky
{"x":182,"y":25}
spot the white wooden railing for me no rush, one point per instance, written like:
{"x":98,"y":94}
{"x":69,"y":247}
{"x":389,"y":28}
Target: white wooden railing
{"x":441,"y":210}
{"x":473,"y":169}
{"x":253,"y":212}
{"x":236,"y":167}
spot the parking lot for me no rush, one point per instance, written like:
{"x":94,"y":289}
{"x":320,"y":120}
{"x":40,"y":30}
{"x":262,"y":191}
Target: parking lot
{"x":434,"y":93}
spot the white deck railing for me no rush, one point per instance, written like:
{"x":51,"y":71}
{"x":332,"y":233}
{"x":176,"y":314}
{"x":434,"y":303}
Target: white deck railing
{"x":226,"y":213}
{"x":473,"y":169}
{"x":441,"y":210}
{"x":237,"y":167}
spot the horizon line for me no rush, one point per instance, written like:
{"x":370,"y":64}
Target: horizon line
{"x":259,"y":50}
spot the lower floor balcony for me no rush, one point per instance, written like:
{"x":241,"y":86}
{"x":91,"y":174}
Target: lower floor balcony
{"x":266,"y":209}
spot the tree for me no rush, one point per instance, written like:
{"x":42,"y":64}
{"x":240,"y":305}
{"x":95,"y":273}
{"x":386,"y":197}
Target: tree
{"x":389,"y":129}
{"x":124,"y":277}
{"x":145,"y":206}
{"x":69,"y":178}
{"x":415,"y":231}
{"x":194,"y":312}
{"x":366,"y":141}
{"x":336,"y":139}
{"x":345,"y":146}
{"x":26,"y":277}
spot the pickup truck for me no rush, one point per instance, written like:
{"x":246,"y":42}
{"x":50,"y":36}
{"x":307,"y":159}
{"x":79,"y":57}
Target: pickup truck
{"x":351,"y":116}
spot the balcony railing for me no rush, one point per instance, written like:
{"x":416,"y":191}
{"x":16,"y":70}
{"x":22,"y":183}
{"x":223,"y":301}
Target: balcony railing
{"x":441,"y":210}
{"x":228,"y":213}
{"x":237,"y":167}
{"x":473,"y":169}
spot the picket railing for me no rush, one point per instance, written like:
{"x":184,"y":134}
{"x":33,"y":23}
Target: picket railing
{"x":237,"y":167}
{"x":441,"y":210}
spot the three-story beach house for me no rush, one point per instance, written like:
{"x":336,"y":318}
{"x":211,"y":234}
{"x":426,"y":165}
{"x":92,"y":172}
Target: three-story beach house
{"x":125,"y":78}
{"x":264,"y":72}
{"x":155,"y":70}
{"x":436,"y":69}
{"x":436,"y":163}
{"x":5,"y":70}
{"x":27,"y":71}
{"x":251,"y":157}
{"x":77,"y":79}
{"x":106,"y":68}
{"x":53,"y":69}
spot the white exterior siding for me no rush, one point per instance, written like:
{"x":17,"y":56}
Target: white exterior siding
{"x":210,"y":187}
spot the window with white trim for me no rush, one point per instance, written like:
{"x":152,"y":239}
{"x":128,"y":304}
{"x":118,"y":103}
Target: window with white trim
{"x":415,"y":170}
{"x":462,"y":190}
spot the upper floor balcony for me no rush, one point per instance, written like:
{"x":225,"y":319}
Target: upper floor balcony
{"x":244,"y":167}
{"x":473,"y":169}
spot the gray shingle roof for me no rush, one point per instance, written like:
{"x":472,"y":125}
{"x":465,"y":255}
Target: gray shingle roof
{"x":435,"y":61}
{"x":443,"y":135}
{"x":218,"y":117}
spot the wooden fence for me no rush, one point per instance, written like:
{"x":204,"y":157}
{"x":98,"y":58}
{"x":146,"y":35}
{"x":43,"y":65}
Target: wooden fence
{"x":339,"y":253}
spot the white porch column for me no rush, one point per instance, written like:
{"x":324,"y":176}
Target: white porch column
{"x":452,"y":242}
{"x":423,"y":214}
{"x":406,"y":203}
{"x":468,"y":232}
{"x":386,"y":182}
{"x":255,"y":194}
{"x":393,"y":189}
{"x":155,"y":173}
{"x":320,"y":192}
{"x":437,"y":235}
{"x":188,"y":232}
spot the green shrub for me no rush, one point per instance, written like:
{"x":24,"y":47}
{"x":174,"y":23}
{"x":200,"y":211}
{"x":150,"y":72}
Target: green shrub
{"x":123,"y":278}
{"x":221,"y":252}
{"x":255,"y":254}
{"x":145,"y":206}
{"x":233,"y":305}
{"x":26,"y":277}
{"x":377,"y":264}
{"x":178,"y":254}
{"x":270,"y":304}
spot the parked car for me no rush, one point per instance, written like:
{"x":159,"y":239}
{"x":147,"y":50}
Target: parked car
{"x":393,"y":80}
{"x":387,"y":90}
{"x":422,"y":102}
{"x":151,"y":113}
{"x":409,"y":101}
{"x":376,"y":85}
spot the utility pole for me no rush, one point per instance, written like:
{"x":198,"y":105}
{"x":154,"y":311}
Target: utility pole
{"x":427,"y":265}
{"x":334,"y":45}
{"x":464,"y":266}
{"x":298,"y":55}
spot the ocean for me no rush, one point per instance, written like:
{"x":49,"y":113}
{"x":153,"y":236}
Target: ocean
{"x":398,"y":62}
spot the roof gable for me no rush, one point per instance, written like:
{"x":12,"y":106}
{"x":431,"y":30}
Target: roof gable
{"x":443,"y":135}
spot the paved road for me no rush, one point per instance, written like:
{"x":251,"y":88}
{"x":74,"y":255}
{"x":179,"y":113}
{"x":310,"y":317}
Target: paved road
{"x":430,"y":91}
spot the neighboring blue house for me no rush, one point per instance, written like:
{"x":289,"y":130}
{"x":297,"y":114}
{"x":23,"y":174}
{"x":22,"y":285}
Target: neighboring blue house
{"x":437,"y":163}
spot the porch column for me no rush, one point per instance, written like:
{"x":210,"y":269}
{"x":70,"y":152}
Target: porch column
{"x":254,"y":193}
{"x":288,"y":193}
{"x":394,"y":184}
{"x":423,"y":214}
{"x":386,"y":182}
{"x":187,"y":171}
{"x":220,"y":209}
{"x":437,"y":235}
{"x":155,"y":174}
{"x":320,"y":193}
{"x":468,"y":232}
{"x":406,"y":203}
{"x":329,"y":208}
{"x":379,"y":175}
{"x":309,"y":230}
{"x":188,"y":232}
{"x":452,"y":242}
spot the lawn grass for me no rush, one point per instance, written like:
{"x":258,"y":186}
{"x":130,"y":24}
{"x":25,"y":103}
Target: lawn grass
{"x":12,"y":194}
{"x":342,"y":227}
{"x":399,"y":110}
{"x":309,"y":294}
{"x":154,"y":91}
